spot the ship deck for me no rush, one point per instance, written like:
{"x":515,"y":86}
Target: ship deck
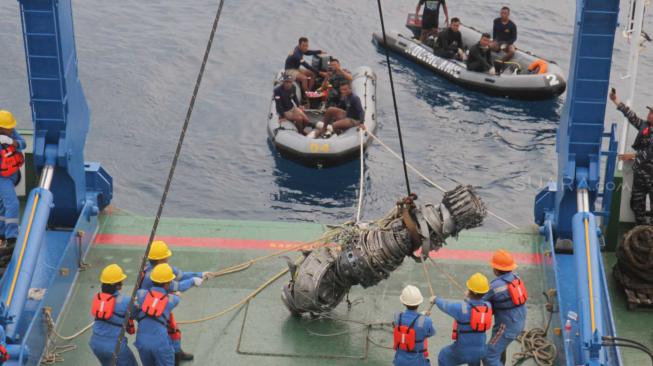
{"x":263,"y":332}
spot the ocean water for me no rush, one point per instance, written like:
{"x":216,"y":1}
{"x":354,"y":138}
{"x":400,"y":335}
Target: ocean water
{"x":139,"y":59}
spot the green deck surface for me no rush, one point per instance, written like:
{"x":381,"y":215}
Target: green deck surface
{"x":268,"y":335}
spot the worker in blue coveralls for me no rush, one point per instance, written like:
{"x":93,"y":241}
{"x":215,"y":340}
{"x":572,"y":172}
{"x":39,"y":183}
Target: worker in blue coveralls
{"x":11,"y":159}
{"x":412,"y":330}
{"x":109,"y":308}
{"x":472,"y":317}
{"x":508,"y":297}
{"x":154,"y":307}
{"x":160,"y":253}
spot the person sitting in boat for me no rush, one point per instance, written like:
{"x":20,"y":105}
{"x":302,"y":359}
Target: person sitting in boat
{"x":336,"y":75}
{"x":480,"y":56}
{"x":431,"y":17}
{"x":450,"y":43}
{"x":504,"y":35}
{"x":349,"y":113}
{"x":287,"y":104}
{"x":301,"y":70}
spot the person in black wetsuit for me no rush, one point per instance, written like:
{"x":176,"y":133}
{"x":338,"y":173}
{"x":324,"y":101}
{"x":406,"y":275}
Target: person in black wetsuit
{"x":349,"y":113}
{"x":450,"y":43}
{"x":300,"y":69}
{"x":643,"y":167}
{"x":480,"y":57}
{"x":287,"y":104}
{"x":504,"y":35}
{"x":336,"y":75}
{"x":431,"y":17}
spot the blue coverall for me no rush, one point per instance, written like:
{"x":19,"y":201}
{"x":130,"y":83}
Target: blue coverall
{"x":423,"y":329}
{"x":470,"y":347}
{"x":106,"y":333}
{"x":509,"y":320}
{"x":154,"y":346}
{"x":9,"y":206}
{"x":183,"y":281}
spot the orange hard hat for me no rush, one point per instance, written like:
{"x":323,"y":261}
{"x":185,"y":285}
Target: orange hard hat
{"x":502,"y":260}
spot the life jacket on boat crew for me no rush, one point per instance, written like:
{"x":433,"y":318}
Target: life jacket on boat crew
{"x":404,"y":337}
{"x":480,"y":320}
{"x":102,"y":309}
{"x":538,"y":66}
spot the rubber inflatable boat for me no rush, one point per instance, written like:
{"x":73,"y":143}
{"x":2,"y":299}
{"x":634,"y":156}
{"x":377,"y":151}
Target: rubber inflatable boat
{"x":514,"y":82}
{"x":336,"y":149}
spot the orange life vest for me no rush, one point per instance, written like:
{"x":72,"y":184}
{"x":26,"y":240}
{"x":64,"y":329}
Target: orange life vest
{"x":10,"y":160}
{"x":480,"y":320}
{"x":404,"y":338}
{"x":173,"y":330}
{"x":103,"y":305}
{"x":154,"y":304}
{"x":517,"y":291}
{"x":539,"y":65}
{"x":4,"y":355}
{"x":103,"y":309}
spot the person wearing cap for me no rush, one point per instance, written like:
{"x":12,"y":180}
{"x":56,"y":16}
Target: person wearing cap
{"x":508,"y":297}
{"x":161,"y":253}
{"x":411,"y":330}
{"x":12,"y":145}
{"x":154,"y":309}
{"x":472,"y":317}
{"x":298,"y":68}
{"x":287,"y":104}
{"x":480,"y":56}
{"x":109,"y":309}
{"x":643,"y":156}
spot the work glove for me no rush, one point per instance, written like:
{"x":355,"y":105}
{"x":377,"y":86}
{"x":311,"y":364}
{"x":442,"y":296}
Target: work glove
{"x":197,"y":281}
{"x":6,"y":140}
{"x":432,"y":299}
{"x":205,"y":275}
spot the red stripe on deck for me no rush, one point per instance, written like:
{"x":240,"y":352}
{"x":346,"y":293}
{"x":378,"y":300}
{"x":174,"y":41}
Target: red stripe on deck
{"x":231,"y":243}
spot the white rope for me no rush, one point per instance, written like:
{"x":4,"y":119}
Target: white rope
{"x":439,"y":187}
{"x":361,"y":183}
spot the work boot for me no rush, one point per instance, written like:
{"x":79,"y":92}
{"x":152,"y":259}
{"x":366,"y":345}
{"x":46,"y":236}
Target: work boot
{"x":183,"y":356}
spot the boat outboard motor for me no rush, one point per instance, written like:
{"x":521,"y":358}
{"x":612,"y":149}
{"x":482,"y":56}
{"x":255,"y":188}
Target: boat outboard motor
{"x":366,"y":254}
{"x":321,"y":61}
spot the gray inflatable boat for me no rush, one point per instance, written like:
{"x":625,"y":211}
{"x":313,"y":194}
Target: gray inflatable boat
{"x":514,"y":82}
{"x":336,"y":149}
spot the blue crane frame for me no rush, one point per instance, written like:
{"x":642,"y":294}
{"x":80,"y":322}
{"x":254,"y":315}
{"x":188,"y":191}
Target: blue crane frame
{"x":572,"y":235}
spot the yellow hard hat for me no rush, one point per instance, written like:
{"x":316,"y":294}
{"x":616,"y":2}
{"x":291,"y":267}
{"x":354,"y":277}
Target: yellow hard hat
{"x":162,"y":273}
{"x":159,"y":250}
{"x":7,"y":119}
{"x":478,"y":283}
{"x":112,"y":274}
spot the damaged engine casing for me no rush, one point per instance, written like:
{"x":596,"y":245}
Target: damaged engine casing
{"x":366,"y":255}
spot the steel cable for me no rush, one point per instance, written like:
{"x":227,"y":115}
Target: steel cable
{"x":171,"y":174}
{"x":394,"y":98}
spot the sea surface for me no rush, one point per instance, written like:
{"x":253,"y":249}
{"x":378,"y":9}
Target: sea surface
{"x":138,"y":62}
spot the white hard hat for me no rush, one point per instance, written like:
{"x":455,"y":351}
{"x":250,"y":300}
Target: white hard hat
{"x":411,"y":296}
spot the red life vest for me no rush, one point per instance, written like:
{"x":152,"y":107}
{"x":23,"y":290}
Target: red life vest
{"x":480,"y":320}
{"x":517,"y":291}
{"x":173,"y":330}
{"x":154,"y":304}
{"x":103,"y":305}
{"x":10,"y":160}
{"x":4,"y":355}
{"x":404,"y":338}
{"x":103,"y":309}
